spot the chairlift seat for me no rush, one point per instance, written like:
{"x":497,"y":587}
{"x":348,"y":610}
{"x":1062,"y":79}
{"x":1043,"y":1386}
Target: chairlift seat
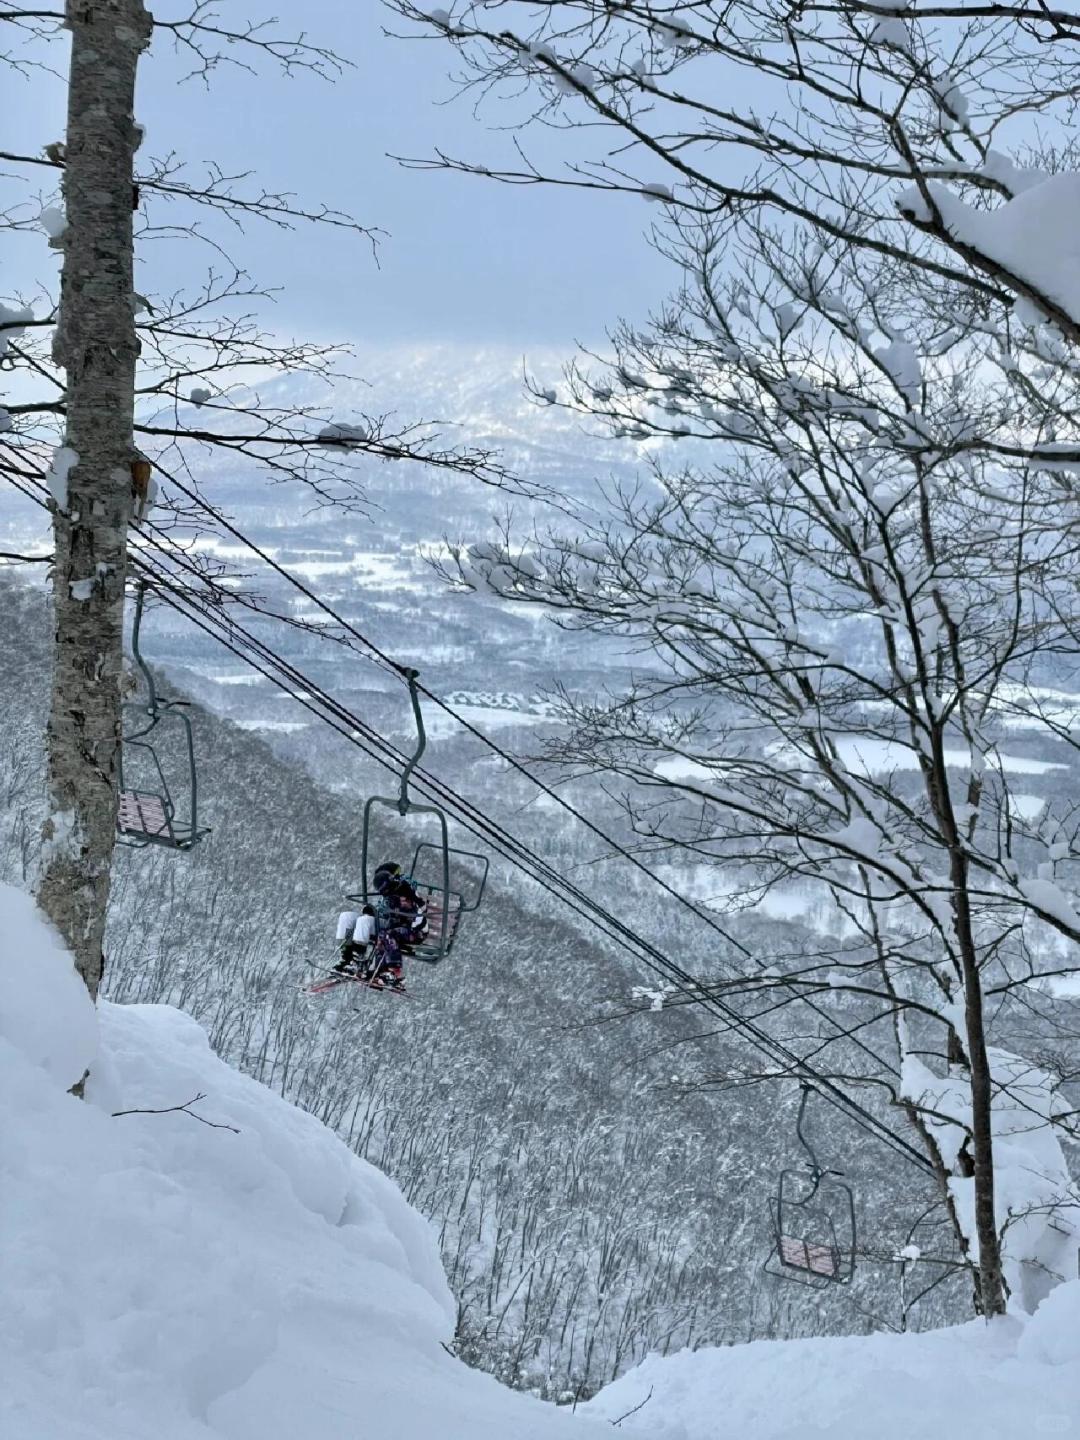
{"x":143,"y":818}
{"x":143,"y":815}
{"x":440,"y":932}
{"x":806,"y":1255}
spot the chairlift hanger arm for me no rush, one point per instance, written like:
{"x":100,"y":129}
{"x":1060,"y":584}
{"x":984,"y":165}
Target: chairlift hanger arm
{"x":411,"y":677}
{"x":150,"y":816}
{"x":136,"y":652}
{"x":800,"y":1120}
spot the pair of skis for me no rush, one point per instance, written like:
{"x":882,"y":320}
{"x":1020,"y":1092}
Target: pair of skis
{"x":333,"y":979}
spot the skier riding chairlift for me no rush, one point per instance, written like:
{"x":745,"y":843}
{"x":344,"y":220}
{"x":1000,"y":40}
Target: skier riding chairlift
{"x":369,"y":953}
{"x":355,"y":936}
{"x":402,"y":911}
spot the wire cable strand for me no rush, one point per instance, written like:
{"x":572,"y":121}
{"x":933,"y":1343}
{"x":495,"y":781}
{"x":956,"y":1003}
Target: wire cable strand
{"x":246,"y":646}
{"x":403,"y":672}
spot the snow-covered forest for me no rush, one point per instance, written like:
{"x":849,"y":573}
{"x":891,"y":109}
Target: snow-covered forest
{"x":705,"y":479}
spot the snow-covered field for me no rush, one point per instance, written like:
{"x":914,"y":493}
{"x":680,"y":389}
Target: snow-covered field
{"x":281,"y":727}
{"x":862,"y":754}
{"x":214,"y":1262}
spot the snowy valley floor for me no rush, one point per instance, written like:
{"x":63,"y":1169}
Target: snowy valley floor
{"x":167,"y":1278}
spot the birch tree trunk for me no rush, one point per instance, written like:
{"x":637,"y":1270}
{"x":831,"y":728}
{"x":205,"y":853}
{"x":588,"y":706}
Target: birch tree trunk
{"x":91,"y":480}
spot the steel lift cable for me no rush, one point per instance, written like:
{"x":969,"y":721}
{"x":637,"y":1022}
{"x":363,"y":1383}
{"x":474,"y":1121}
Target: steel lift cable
{"x":403,"y":672}
{"x":557,"y":885}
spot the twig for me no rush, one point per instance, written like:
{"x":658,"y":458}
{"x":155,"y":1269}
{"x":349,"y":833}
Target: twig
{"x":636,"y":1408}
{"x":26,"y":559}
{"x":184,"y":1110}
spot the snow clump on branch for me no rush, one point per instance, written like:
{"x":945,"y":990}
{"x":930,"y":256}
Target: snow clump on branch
{"x":340,"y":434}
{"x":1034,"y":237}
{"x":63,"y":462}
{"x":53,"y":221}
{"x":12,"y":325}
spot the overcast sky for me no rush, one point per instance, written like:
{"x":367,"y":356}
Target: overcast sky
{"x":464,"y":259}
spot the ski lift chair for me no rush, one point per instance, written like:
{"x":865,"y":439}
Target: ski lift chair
{"x":149,"y":810}
{"x":436,"y":865}
{"x":813,"y":1220}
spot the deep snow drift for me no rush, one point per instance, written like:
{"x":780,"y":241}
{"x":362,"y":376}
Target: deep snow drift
{"x":250,"y":1278}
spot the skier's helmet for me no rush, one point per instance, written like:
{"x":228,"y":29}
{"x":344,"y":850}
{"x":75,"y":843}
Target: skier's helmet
{"x":385,"y":874}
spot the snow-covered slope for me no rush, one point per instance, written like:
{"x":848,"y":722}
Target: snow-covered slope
{"x":247,"y":1277}
{"x":1017,"y":1379}
{"x":225,"y":1267}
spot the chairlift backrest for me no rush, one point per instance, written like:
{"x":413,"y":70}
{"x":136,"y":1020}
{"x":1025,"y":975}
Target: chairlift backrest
{"x":142,"y":814}
{"x":469,"y":895}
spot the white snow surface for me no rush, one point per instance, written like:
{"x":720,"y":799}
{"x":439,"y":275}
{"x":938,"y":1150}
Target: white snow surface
{"x":171,"y":1278}
{"x":1011,"y":1380}
{"x":338,"y":433}
{"x":165,"y":1278}
{"x":53,"y":221}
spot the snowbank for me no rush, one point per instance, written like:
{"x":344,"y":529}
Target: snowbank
{"x":1012,"y":1380}
{"x":169,"y":1278}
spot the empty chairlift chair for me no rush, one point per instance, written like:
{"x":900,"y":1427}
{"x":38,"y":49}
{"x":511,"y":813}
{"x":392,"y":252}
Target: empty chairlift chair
{"x":813,"y":1220}
{"x":159,"y":789}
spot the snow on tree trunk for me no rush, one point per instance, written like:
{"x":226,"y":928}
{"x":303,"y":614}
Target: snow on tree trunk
{"x":91,"y":476}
